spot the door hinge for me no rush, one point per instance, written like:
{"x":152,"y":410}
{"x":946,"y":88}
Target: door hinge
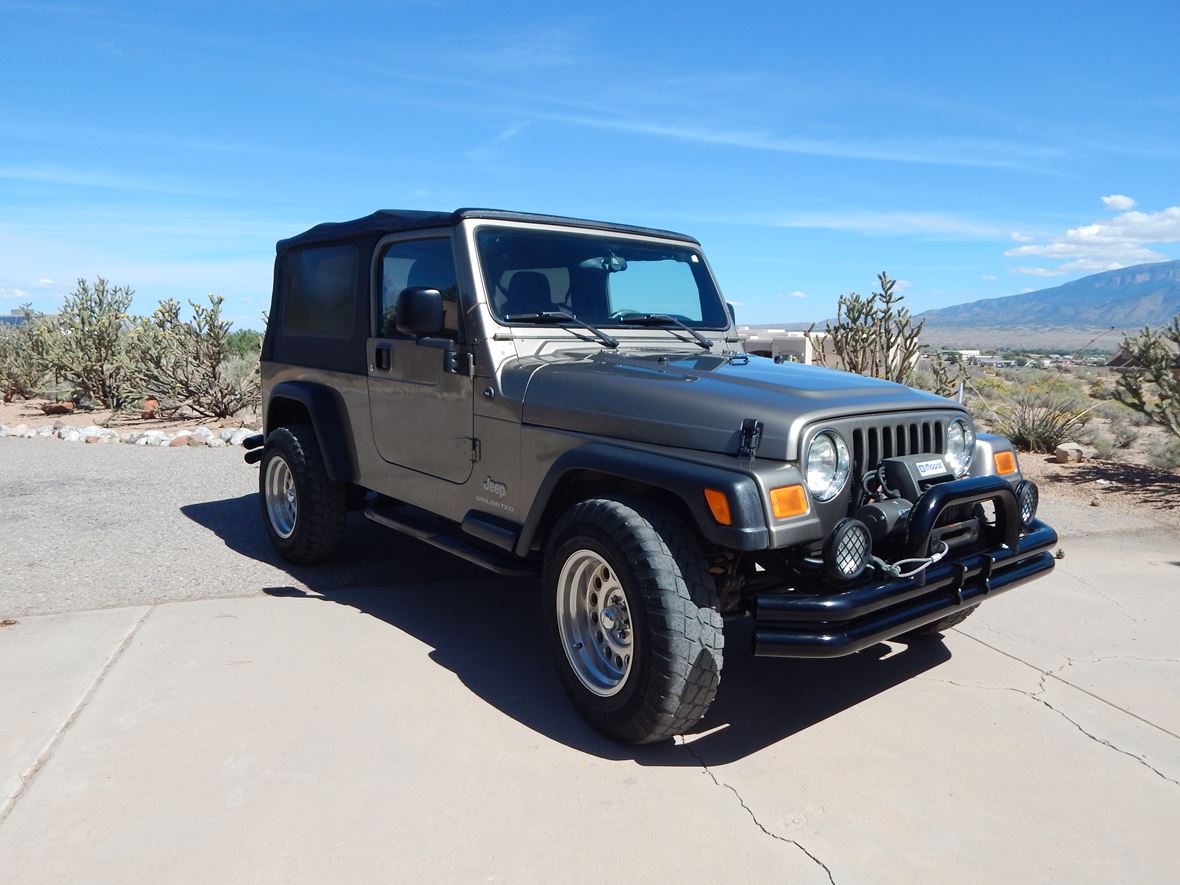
{"x":460,"y":363}
{"x":473,"y":449}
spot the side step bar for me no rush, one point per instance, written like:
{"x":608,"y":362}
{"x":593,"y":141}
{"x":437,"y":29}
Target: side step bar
{"x":443,"y":535}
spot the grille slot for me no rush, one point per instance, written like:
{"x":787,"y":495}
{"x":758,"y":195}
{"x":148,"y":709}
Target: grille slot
{"x":873,"y":444}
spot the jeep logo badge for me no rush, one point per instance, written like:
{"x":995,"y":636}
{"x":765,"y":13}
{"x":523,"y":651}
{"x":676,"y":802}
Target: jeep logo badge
{"x":494,"y":488}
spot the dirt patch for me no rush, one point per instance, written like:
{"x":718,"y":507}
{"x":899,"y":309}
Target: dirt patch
{"x":1133,"y":489}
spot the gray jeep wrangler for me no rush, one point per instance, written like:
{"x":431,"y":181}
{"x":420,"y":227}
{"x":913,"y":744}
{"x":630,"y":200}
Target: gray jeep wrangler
{"x":568,"y":398}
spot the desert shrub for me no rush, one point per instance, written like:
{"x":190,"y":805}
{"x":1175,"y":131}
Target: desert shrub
{"x":1165,"y":454}
{"x":1104,"y":447}
{"x":1124,"y":435}
{"x":1151,"y":382}
{"x":86,"y":346}
{"x":192,"y":362}
{"x":1113,"y":411}
{"x":1040,"y":421}
{"x":244,"y":344}
{"x":22,"y":360}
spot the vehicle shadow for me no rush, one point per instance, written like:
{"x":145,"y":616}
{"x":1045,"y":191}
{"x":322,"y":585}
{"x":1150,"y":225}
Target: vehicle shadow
{"x":489,"y":632}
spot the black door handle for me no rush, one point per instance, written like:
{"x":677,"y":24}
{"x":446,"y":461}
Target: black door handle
{"x":383,"y":357}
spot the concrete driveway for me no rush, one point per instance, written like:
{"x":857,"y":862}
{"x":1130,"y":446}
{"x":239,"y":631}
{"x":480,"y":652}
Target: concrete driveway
{"x":176,"y":705}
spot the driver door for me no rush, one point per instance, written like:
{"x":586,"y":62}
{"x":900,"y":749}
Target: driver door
{"x":420,"y":398}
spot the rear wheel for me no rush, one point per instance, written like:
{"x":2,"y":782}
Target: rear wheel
{"x":303,"y":509}
{"x":633,"y":619}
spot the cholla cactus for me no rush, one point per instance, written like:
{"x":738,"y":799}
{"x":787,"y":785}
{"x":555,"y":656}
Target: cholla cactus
{"x":872,"y":336}
{"x":192,"y":363}
{"x":87,"y":344}
{"x":22,"y":357}
{"x":1150,"y":382}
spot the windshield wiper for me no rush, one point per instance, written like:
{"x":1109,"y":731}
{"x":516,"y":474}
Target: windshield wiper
{"x":562,"y":318}
{"x":662,"y":320}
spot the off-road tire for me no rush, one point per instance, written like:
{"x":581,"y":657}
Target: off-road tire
{"x":941,"y":625}
{"x":676,"y":624}
{"x":322,"y":503}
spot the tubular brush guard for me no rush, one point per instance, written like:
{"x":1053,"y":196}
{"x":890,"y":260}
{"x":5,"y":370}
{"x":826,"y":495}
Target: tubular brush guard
{"x":795,"y":625}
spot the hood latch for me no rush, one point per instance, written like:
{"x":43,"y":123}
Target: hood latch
{"x":750,"y":438}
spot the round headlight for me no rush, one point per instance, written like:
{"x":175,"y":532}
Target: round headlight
{"x":960,"y":446}
{"x":827,"y":466}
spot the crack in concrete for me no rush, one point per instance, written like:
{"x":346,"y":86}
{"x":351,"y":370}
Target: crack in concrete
{"x":1037,"y":696}
{"x":1118,"y":605}
{"x":705,"y":768}
{"x":1053,"y":674}
{"x":45,"y":755}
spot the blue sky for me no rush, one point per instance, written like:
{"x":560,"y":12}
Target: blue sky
{"x":966,"y":149}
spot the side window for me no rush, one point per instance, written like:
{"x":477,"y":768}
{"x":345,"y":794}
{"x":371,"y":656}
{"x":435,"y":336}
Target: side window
{"x":319,"y":291}
{"x":419,"y":263}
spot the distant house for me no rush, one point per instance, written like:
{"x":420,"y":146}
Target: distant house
{"x":788,"y":345}
{"x":1122,"y":359}
{"x":12,"y":319}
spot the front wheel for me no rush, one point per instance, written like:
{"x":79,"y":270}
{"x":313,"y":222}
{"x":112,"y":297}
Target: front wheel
{"x":633,"y":619}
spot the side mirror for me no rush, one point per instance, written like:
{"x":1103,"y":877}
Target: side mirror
{"x":419,"y":311}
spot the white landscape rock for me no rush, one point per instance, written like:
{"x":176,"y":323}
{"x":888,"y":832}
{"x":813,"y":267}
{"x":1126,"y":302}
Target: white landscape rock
{"x":1067,"y":452}
{"x":43,"y":430}
{"x":3,"y":431}
{"x":240,"y":435}
{"x":216,"y":443}
{"x":227,"y":433}
{"x":71,"y":434}
{"x":203,"y":433}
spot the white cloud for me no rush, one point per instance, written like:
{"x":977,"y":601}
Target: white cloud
{"x":1118,"y":202}
{"x":1105,"y":244}
{"x":902,"y":285}
{"x":795,"y":294}
{"x":1019,"y":237}
{"x":43,"y":283}
{"x":1026,"y":291}
{"x":873,"y":223}
{"x":1040,"y":271}
{"x":988,"y":276}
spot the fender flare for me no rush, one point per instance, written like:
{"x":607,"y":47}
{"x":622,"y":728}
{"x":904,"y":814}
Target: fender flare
{"x":328,"y":419}
{"x":686,"y":480}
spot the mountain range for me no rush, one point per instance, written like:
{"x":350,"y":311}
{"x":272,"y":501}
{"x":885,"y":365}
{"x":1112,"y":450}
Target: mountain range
{"x":1130,"y":297}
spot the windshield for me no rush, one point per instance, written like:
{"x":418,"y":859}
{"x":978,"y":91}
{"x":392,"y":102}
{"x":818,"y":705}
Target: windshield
{"x":597,"y":278}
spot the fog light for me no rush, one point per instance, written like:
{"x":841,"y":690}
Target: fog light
{"x":847,"y":550}
{"x":1029,"y":497}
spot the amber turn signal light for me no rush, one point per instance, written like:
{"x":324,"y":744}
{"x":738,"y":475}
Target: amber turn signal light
{"x":1005,"y":462}
{"x":718,"y":506}
{"x":788,"y":501}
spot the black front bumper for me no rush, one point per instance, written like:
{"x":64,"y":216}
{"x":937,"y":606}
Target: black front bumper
{"x":796,"y":625}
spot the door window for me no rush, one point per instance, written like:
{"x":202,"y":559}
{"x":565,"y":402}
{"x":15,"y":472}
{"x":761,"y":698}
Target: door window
{"x":427,"y":264}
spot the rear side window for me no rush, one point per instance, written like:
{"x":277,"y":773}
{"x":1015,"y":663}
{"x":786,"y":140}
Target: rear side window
{"x":319,"y":291}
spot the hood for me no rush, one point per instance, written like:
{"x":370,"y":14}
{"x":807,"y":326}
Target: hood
{"x":699,"y":401}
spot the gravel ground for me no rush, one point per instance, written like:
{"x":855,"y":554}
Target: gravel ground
{"x":87,"y":527}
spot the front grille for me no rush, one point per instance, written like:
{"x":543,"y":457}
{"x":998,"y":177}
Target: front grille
{"x":874,"y":443}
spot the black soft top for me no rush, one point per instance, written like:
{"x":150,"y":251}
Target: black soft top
{"x":387,"y":221}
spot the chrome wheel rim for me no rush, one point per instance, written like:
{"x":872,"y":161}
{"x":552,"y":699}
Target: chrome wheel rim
{"x":282,"y":506}
{"x":594,"y":622}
